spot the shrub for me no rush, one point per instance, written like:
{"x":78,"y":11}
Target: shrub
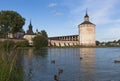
{"x":7,"y":45}
{"x":40,"y":40}
{"x":22,"y":44}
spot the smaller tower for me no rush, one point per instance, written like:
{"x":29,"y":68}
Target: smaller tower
{"x":86,"y":17}
{"x":86,"y":32}
{"x":30,"y":31}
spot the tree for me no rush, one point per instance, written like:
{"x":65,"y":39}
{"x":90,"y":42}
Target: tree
{"x":114,"y":41}
{"x":109,"y":43}
{"x":118,"y":41}
{"x":44,"y":38}
{"x":36,"y":42}
{"x":41,"y":40}
{"x":97,"y":43}
{"x":24,"y":43}
{"x":10,"y":21}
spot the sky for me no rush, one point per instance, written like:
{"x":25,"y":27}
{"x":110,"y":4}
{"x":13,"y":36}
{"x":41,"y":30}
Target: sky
{"x":62,"y":17}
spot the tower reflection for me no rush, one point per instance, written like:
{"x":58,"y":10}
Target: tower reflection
{"x":87,"y":64}
{"x":28,"y":64}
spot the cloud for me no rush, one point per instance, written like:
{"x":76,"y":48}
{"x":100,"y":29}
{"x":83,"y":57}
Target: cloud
{"x":51,"y":5}
{"x":106,"y":20}
{"x":113,"y":31}
{"x":99,"y":11}
{"x":108,"y":32}
{"x":58,"y":13}
{"x":103,"y":13}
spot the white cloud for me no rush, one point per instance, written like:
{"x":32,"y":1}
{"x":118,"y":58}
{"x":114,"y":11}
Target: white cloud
{"x":99,"y":11}
{"x":105,"y":16}
{"x":58,"y":13}
{"x":112,"y":32}
{"x":102,"y":13}
{"x":52,"y":5}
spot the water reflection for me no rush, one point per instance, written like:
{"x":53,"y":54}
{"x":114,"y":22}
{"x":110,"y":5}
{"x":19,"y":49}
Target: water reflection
{"x":35,"y":64}
{"x":44,"y":64}
{"x":43,"y":52}
{"x":87,"y":64}
{"x":96,"y":64}
{"x":67,"y":60}
{"x":19,"y":65}
{"x":29,"y":65}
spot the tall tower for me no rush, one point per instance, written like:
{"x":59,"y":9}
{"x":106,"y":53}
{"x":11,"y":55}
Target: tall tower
{"x":30,"y":31}
{"x":86,"y":32}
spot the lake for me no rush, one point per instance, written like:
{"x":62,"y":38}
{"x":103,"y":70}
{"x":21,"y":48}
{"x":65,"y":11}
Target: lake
{"x":75,"y":64}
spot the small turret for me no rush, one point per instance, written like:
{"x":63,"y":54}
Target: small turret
{"x":86,"y":17}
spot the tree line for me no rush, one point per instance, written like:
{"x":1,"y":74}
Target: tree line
{"x":109,"y":43}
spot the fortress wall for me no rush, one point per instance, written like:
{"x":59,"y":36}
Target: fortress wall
{"x":62,"y":43}
{"x":29,"y":38}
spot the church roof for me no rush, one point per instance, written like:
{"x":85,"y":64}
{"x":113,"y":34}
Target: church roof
{"x":86,"y":19}
{"x":30,"y":31}
{"x":86,"y":22}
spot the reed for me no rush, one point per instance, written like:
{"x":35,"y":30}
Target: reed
{"x":8,"y":66}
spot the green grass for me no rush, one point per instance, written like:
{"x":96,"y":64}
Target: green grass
{"x":8,"y":67}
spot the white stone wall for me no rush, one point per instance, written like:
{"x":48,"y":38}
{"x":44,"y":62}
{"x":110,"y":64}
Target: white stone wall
{"x":87,"y":35}
{"x":29,"y":38}
{"x":62,"y":43}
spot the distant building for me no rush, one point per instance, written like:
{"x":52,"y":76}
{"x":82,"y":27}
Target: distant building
{"x":17,"y":35}
{"x":30,"y":31}
{"x":85,"y":37}
{"x":29,"y":34}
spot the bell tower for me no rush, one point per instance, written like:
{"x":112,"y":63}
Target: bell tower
{"x":30,"y":31}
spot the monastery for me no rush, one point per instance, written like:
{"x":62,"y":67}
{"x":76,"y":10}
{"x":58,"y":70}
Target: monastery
{"x":85,"y":37}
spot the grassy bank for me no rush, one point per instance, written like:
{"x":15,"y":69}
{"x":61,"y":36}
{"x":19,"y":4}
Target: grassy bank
{"x":9,"y":71}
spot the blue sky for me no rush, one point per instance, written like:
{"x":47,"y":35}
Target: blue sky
{"x":61,"y":17}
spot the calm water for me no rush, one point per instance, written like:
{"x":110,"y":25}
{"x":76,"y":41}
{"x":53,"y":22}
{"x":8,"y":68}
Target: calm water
{"x":97,"y":64}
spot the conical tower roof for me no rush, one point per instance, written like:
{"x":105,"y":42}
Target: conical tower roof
{"x":86,"y":19}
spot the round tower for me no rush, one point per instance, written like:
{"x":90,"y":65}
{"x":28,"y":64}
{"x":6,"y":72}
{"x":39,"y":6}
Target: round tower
{"x":86,"y":32}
